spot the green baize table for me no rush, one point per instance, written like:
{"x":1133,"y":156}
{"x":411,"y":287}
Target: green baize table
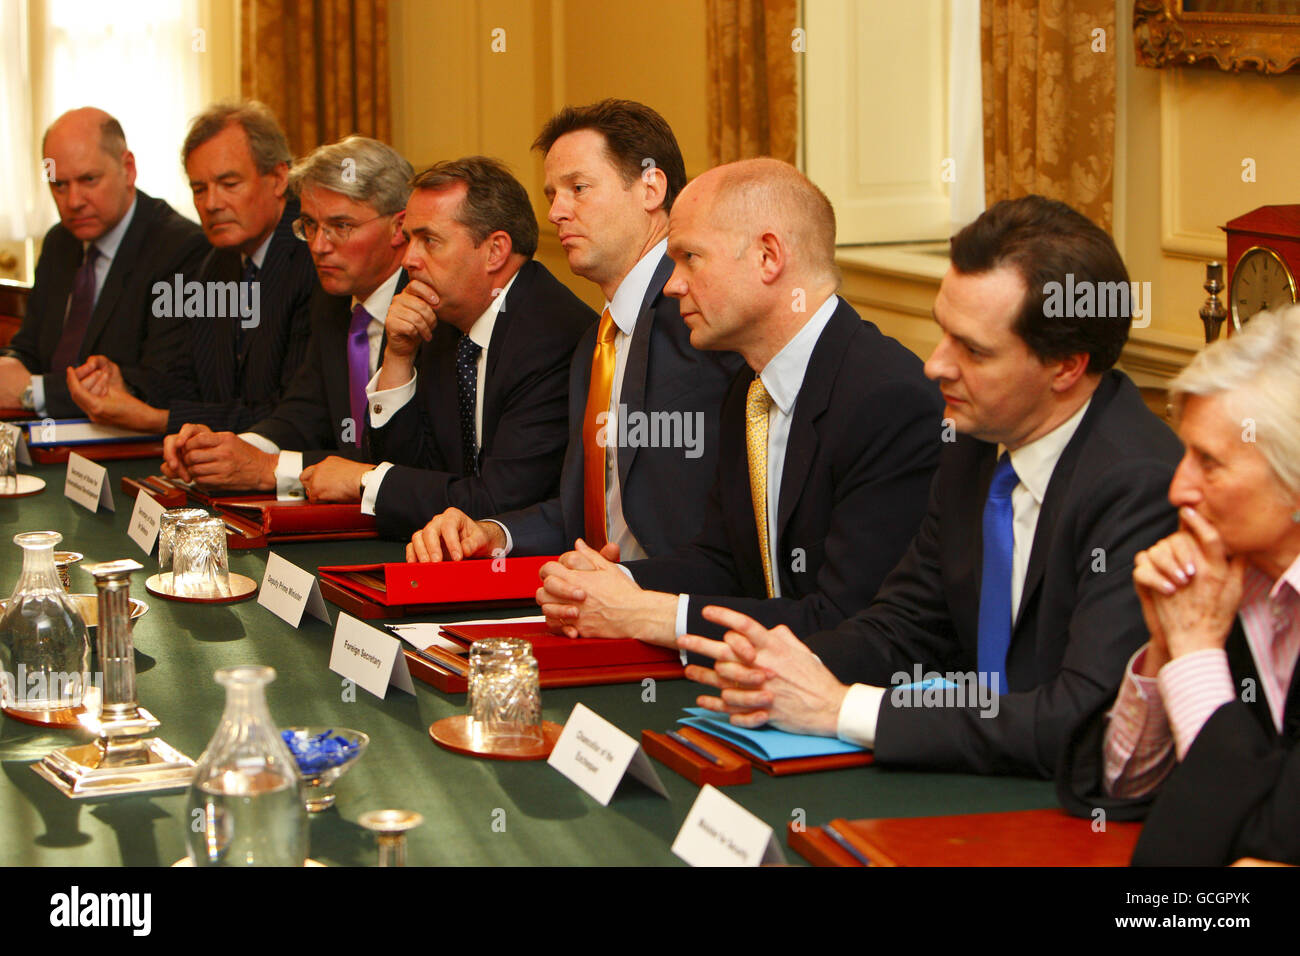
{"x":476,"y":812}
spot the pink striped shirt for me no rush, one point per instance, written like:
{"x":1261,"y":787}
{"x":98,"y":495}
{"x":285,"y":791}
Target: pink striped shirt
{"x":1155,"y":720}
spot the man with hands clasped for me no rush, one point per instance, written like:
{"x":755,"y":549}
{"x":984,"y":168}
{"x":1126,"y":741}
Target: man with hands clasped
{"x":1018,"y":582}
{"x":1207,"y":717}
{"x":829,"y":438}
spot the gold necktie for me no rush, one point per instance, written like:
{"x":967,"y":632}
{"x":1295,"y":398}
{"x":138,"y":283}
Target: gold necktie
{"x":756,"y":406}
{"x":593,"y":452}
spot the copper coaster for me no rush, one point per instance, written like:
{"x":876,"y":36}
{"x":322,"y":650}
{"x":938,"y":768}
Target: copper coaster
{"x":241,"y":587}
{"x":65,"y":718}
{"x":26,"y":485}
{"x":452,"y":733}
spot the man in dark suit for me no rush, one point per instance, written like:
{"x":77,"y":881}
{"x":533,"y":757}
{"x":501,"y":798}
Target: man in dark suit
{"x":247,"y":313}
{"x":477,"y":420}
{"x":613,"y":170}
{"x":98,"y":266}
{"x":352,"y":196}
{"x":828,"y":437}
{"x":1012,"y":612}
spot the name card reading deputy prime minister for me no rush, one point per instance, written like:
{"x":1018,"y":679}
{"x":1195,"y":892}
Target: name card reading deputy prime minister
{"x":287,"y":591}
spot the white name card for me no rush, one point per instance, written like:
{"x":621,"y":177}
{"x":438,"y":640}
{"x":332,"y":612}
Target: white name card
{"x":87,"y":484}
{"x":146,"y":517}
{"x":720,"y":832}
{"x":287,"y":591}
{"x":596,"y":755}
{"x":369,"y":657}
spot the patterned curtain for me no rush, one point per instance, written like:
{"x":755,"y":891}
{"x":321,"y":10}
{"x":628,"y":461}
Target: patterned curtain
{"x":752,"y":102}
{"x":1049,"y":101}
{"x":321,"y":65}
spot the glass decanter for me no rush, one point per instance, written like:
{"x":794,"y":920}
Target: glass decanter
{"x":245,"y":806}
{"x":44,"y":647}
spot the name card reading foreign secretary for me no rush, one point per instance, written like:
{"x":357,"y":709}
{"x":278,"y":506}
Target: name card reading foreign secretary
{"x":86,"y":484}
{"x":287,"y":590}
{"x":369,"y":657}
{"x":596,"y":755}
{"x":146,"y":517}
{"x":720,"y":832}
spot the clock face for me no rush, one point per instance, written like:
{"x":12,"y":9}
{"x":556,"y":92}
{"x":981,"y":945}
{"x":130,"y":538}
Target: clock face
{"x":1260,"y":281}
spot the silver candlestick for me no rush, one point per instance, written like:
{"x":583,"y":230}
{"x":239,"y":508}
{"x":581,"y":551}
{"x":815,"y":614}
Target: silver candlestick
{"x":390,"y":828}
{"x":122,"y":759}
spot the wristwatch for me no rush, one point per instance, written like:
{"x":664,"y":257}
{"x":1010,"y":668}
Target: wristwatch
{"x":26,"y":400}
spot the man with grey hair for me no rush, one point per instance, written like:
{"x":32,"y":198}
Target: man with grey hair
{"x":97,"y":267}
{"x":247,"y":311}
{"x":828,"y":437}
{"x":352,"y":195}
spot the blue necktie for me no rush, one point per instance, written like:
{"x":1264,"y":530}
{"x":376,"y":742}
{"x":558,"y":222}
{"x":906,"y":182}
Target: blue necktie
{"x":995,"y":581}
{"x":467,"y":392}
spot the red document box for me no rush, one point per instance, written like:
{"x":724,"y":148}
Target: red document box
{"x":371,"y":591}
{"x":1018,"y":838}
{"x":561,"y":661}
{"x":108,"y":451}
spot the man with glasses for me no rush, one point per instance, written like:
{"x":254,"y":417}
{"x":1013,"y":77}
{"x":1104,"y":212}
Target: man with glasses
{"x":247,"y":311}
{"x":352,"y":194}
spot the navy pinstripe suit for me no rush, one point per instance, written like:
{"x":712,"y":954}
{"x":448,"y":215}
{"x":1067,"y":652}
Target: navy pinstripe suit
{"x":228,"y":388}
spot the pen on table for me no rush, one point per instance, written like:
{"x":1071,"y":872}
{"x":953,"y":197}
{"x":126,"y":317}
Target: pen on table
{"x":694,"y":748}
{"x":845,"y":845}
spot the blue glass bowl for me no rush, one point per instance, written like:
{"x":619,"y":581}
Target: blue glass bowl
{"x":323,"y":754}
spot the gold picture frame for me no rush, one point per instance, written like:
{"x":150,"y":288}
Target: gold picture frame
{"x":1259,"y":35}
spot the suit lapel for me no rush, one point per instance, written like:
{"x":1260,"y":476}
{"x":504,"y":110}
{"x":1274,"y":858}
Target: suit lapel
{"x":811,"y":403}
{"x":638,"y":361}
{"x":119,"y":271}
{"x":1241,"y":663}
{"x":1058,"y":493}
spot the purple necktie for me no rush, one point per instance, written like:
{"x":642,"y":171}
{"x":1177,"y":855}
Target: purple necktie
{"x":80,"y":306}
{"x":359,"y":366}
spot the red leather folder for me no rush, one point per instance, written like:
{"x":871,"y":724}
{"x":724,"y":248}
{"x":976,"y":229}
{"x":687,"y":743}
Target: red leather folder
{"x":1018,"y":838}
{"x":107,"y":451}
{"x":258,"y":519}
{"x":394,"y":590}
{"x":15,"y":414}
{"x":561,"y":661}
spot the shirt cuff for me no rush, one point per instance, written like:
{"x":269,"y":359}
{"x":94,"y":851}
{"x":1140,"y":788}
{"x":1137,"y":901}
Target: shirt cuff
{"x":260,"y":442}
{"x":1194,"y":686}
{"x":510,"y":542}
{"x":38,"y":395}
{"x":1137,"y":740}
{"x":370,"y":483}
{"x":859,"y":714}
{"x":683,"y":613}
{"x":383,"y":405}
{"x":287,"y":469}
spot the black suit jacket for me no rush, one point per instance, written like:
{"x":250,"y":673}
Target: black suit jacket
{"x":228,"y":389}
{"x":158,"y":244}
{"x":664,"y":492}
{"x":524,"y":396}
{"x":861,"y":452}
{"x":313,"y":415}
{"x":1079,"y":619}
{"x":1236,"y":793}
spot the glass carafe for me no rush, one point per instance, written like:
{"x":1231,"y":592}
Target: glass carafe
{"x":44,"y":649}
{"x":245,"y":806}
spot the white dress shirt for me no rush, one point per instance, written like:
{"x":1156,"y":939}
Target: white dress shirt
{"x":783,"y":378}
{"x":107,"y":244}
{"x":624,"y":309}
{"x":288,"y":465}
{"x":383,"y":405}
{"x":1033,"y":464}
